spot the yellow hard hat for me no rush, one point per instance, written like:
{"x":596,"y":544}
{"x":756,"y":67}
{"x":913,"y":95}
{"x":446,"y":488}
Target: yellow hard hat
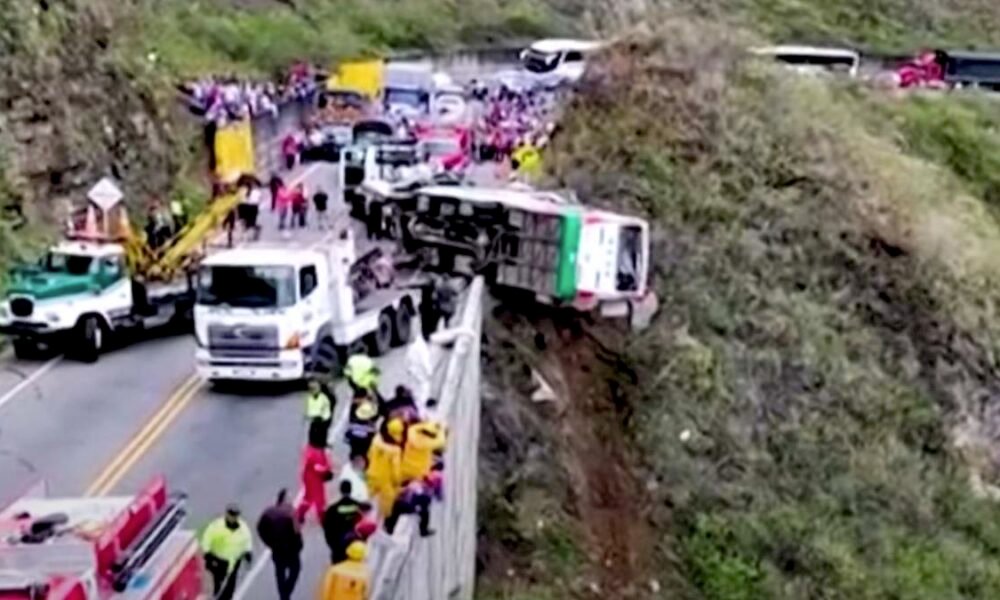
{"x":357,"y":551}
{"x":395,"y":429}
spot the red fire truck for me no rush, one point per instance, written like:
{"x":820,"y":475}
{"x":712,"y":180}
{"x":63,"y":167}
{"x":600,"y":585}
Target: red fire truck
{"x":113,"y":548}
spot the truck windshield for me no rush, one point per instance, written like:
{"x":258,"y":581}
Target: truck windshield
{"x":247,"y":286}
{"x":629,"y":259}
{"x":539,"y":62}
{"x":74,"y":264}
{"x":406,"y":97}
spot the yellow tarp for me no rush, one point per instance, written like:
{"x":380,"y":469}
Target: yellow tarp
{"x":234,"y":151}
{"x":363,"y":76}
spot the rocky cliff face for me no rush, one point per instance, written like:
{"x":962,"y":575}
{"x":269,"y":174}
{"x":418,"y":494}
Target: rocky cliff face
{"x":74,"y":105}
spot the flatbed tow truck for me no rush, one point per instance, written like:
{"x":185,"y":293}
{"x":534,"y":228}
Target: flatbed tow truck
{"x":109,"y":548}
{"x":103,"y":280}
{"x":283,"y":313}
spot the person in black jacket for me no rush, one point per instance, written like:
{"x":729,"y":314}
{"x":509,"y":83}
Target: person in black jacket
{"x":279,"y":530}
{"x":339,"y":521}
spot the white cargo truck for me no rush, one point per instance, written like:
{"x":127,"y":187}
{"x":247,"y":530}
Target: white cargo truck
{"x":283,"y":313}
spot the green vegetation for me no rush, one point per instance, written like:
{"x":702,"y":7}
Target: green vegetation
{"x":197,"y":39}
{"x":828,"y":280}
{"x":894,"y":25}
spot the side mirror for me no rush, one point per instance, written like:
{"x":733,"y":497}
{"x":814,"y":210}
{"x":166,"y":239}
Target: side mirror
{"x":522,"y":54}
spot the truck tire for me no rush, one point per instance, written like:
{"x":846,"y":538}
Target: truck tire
{"x":327,"y":361}
{"x":87,"y":339}
{"x":25,"y":349}
{"x":402,"y":330}
{"x":380,"y":341}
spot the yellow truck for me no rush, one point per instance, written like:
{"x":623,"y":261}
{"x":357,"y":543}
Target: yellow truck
{"x":364,"y":76}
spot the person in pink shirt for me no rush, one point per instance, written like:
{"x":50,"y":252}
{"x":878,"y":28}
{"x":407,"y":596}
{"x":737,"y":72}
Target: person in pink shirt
{"x":283,"y":201}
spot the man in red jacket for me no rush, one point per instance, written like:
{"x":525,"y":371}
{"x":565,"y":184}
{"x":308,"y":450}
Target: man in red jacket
{"x":316,"y":471}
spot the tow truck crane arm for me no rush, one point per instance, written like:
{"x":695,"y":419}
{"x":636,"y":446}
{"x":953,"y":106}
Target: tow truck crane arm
{"x":184,"y":248}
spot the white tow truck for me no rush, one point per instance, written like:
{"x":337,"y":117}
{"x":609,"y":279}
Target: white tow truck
{"x":280,"y":313}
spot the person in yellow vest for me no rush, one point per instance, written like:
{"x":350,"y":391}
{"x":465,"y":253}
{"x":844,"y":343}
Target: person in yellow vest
{"x":362,"y":373}
{"x":527,"y":160}
{"x":384,"y":462}
{"x":349,"y":579}
{"x":319,"y":411}
{"x":226,"y":543}
{"x":423,"y":440}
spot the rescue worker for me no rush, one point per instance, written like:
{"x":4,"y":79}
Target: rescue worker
{"x":361,"y":426}
{"x":339,"y":520}
{"x":414,"y":499}
{"x":178,"y":212}
{"x":226,"y":543}
{"x":423,"y":440}
{"x":349,"y":579}
{"x":316,"y":471}
{"x":384,"y":462}
{"x":279,"y":530}
{"x":402,"y":400}
{"x":319,"y":411}
{"x":362,"y":374}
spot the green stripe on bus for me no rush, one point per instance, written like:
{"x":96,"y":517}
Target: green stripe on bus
{"x":569,"y":246}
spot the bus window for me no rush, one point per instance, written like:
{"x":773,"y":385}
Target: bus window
{"x":573,"y":56}
{"x":629,"y":259}
{"x":539,"y":62}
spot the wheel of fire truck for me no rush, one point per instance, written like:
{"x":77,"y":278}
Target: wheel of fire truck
{"x":87,"y":339}
{"x":380,"y":341}
{"x":403,"y":327}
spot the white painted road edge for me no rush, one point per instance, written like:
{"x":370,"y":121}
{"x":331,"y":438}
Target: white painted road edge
{"x":30,"y":379}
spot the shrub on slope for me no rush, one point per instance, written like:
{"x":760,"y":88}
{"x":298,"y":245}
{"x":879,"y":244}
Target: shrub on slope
{"x":827,"y":333}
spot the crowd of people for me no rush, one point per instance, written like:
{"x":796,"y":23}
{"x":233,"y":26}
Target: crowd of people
{"x":394,"y":469}
{"x":222,"y":100}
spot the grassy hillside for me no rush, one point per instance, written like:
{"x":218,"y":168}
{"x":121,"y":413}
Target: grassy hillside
{"x":828,"y":338}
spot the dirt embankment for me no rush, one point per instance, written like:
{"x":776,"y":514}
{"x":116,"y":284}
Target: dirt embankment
{"x":563,"y":505}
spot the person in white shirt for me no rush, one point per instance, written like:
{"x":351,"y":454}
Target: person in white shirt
{"x":249,"y":210}
{"x":354,"y":471}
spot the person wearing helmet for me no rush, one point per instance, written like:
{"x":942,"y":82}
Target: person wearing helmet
{"x":362,"y":424}
{"x":384,"y":464}
{"x":362,"y":374}
{"x":349,"y":579}
{"x":340,"y":519}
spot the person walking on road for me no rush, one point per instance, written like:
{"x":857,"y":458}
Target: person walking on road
{"x":283,"y":204}
{"x":319,"y":412}
{"x":348,"y":580}
{"x":363,"y":375}
{"x":320,"y":201}
{"x":290,"y":150}
{"x":300,"y":206}
{"x":279,"y":530}
{"x":226,"y":543}
{"x":362,"y":424}
{"x":354,"y":472}
{"x":316,"y":471}
{"x":340,"y":519}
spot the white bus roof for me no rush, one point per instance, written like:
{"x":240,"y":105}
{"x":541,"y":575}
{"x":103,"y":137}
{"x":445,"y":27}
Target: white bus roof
{"x":88,"y":248}
{"x":550,"y":46}
{"x":538,"y":201}
{"x":807,"y":51}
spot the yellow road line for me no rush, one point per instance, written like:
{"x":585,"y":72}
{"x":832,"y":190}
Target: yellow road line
{"x":145,"y":438}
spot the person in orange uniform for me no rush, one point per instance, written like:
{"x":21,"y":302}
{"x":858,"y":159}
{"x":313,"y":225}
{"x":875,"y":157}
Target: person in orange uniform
{"x":384,"y":462}
{"x":347,"y":580}
{"x":316,"y":471}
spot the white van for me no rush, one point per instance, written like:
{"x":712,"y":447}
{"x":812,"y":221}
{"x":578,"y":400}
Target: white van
{"x":558,"y":61}
{"x":814,"y":59}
